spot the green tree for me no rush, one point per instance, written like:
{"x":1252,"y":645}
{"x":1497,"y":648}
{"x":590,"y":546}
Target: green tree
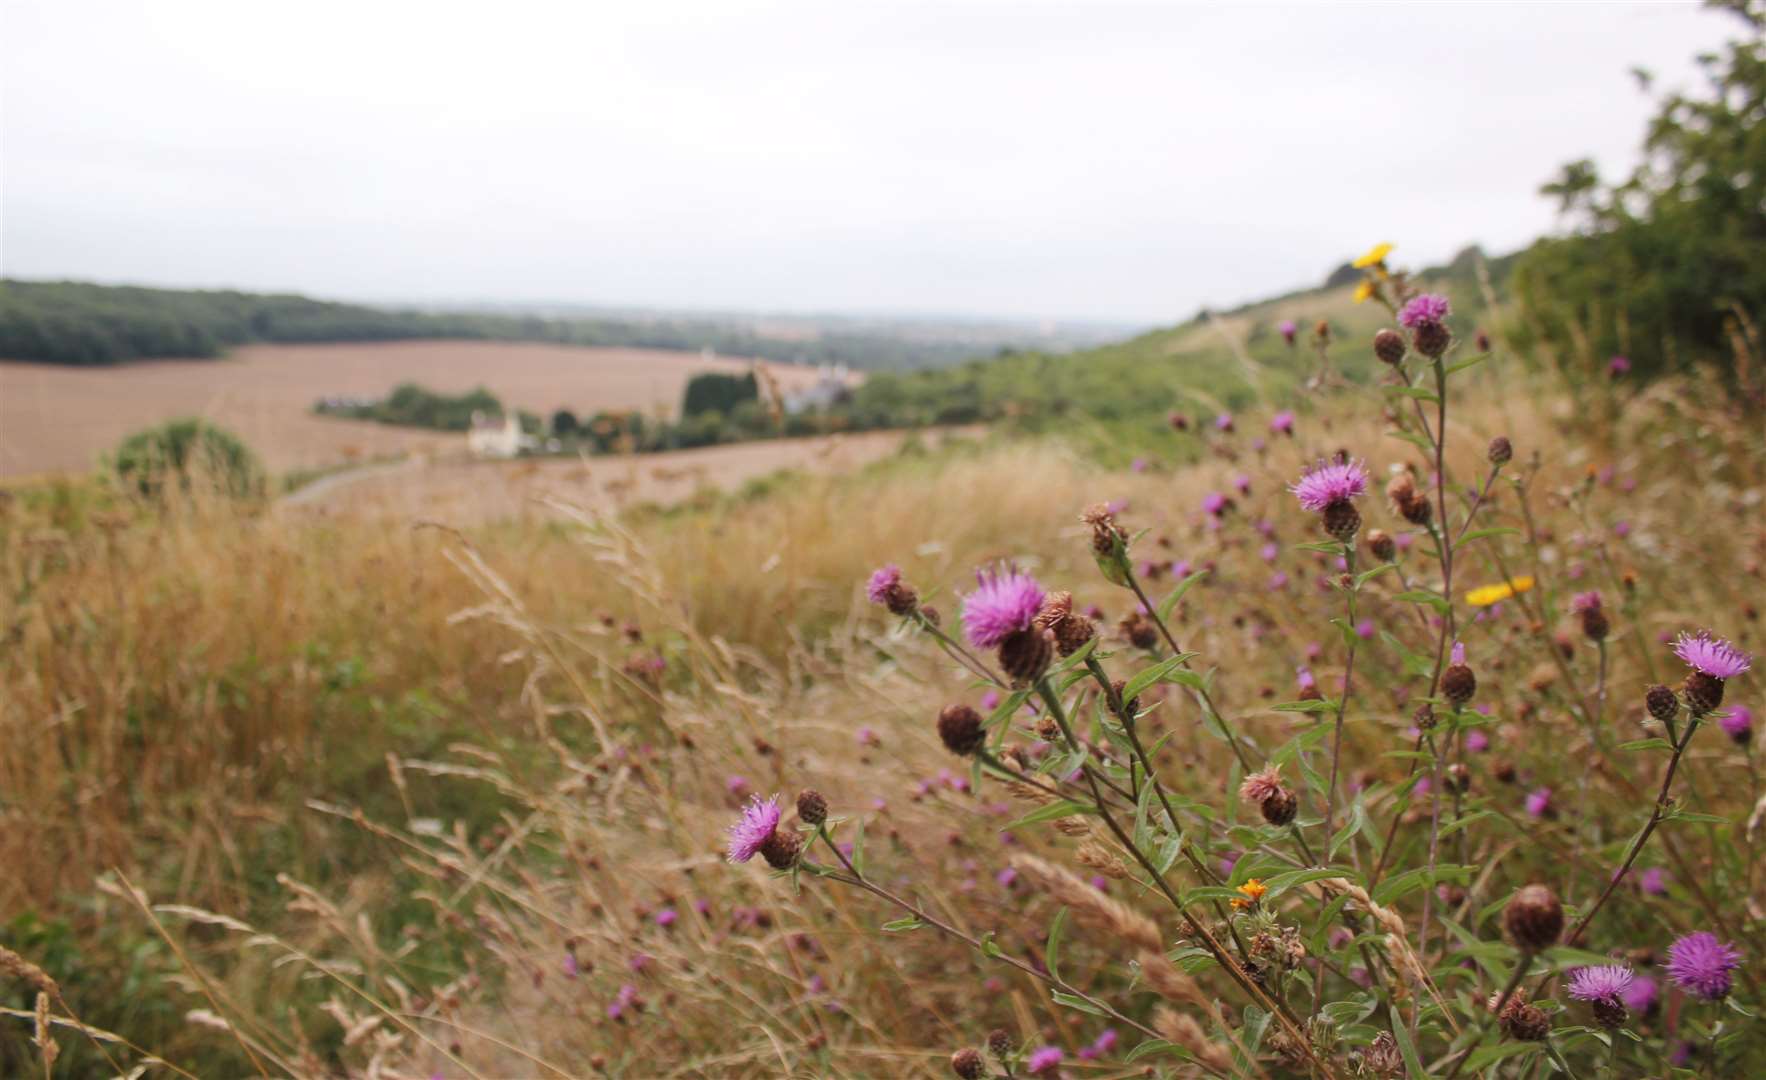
{"x":1668,"y":266}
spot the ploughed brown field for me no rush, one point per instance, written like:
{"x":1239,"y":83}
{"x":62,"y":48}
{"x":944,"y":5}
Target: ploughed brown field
{"x":57,"y":419}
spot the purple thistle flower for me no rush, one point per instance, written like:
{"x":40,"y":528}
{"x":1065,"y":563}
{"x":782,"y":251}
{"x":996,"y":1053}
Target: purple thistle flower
{"x":1585,"y":601}
{"x":1476,"y":741}
{"x":1739,"y":724}
{"x":1269,"y":552}
{"x":1459,"y":652}
{"x":1278,"y":581}
{"x":1608,"y":982}
{"x":1005,"y":602}
{"x":1224,"y":422}
{"x":1653,"y":882}
{"x":1711,"y":655}
{"x":1538,"y":802}
{"x":1700,"y":964}
{"x":1330,"y":482}
{"x":1282,"y":423}
{"x":1288,"y":329}
{"x":883,"y":579}
{"x":571,"y":968}
{"x":1243,"y":483}
{"x":666,"y":917}
{"x":1007,"y":877}
{"x":1214,"y":503}
{"x":1640,"y":995}
{"x":1622,"y":529}
{"x":1365,"y":629}
{"x":758,"y":824}
{"x":1139,"y":464}
{"x":1303,"y":677}
{"x":1426,"y":308}
{"x":1618,"y":365}
{"x":1043,"y":1060}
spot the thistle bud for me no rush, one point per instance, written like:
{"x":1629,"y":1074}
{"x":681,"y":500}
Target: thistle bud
{"x":1528,"y":1023}
{"x":1281,"y":807}
{"x":1381,"y":544}
{"x":1703,"y":692}
{"x":999,"y":1043}
{"x":1608,"y":1012}
{"x":967,"y":1064}
{"x":781,"y":850}
{"x":1341,"y":520}
{"x":1389,"y":347}
{"x":1432,"y":338}
{"x":811,"y":807}
{"x":1501,"y":450}
{"x":960,"y":728}
{"x":1458,"y":684}
{"x":1534,"y":918}
{"x":1025,"y":655}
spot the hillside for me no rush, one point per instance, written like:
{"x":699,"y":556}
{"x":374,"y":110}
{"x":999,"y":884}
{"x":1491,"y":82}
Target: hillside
{"x":79,"y":323}
{"x":1119,"y":398}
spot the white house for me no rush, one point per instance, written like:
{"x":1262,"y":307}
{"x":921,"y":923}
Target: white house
{"x":832,"y":386}
{"x":491,"y":438}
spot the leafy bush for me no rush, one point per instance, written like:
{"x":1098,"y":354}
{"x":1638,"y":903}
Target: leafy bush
{"x":194,"y":454}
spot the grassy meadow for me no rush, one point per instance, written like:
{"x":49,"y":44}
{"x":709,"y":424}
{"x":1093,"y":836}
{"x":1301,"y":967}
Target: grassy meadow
{"x":347,"y":795}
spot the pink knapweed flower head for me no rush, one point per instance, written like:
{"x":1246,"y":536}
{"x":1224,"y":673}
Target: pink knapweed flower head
{"x":1224,"y":422}
{"x":883,"y":579}
{"x":1700,"y":964}
{"x":1618,"y":366}
{"x":1215,"y":503}
{"x":756,"y":826}
{"x":1282,"y":423}
{"x":1288,"y":329}
{"x":1608,"y":982}
{"x":1330,"y":482}
{"x":1004,"y":602}
{"x":1427,"y":308}
{"x":1585,"y":601}
{"x":1738,"y":724}
{"x":1640,"y":996}
{"x":1538,"y":802}
{"x":1043,"y":1060}
{"x":1260,"y":786}
{"x":1459,"y":652}
{"x":1711,"y":655}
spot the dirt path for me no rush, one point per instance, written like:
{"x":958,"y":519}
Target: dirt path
{"x":469,"y":492}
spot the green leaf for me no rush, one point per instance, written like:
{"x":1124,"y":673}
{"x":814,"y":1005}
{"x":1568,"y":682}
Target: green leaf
{"x":1319,"y":706}
{"x":1423,"y":596}
{"x":1277,"y":883}
{"x":1049,"y":811}
{"x":1470,"y":361}
{"x":1480,"y":534}
{"x":1418,"y":392}
{"x":1155,"y":1046}
{"x":1166,"y":605}
{"x":1148,"y":676}
{"x":1413,"y":1065}
{"x":1052,"y":951}
{"x":1647,"y":744}
{"x":912,"y":922}
{"x":1413,"y":438}
{"x":1079,"y":1003}
{"x":1490,"y":1055}
{"x":1687,"y":815}
{"x":990,"y":948}
{"x":1367,"y":575}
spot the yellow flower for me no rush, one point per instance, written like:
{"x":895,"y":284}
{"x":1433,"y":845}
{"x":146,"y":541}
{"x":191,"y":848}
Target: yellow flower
{"x":1375,"y":256}
{"x":1365,"y":290}
{"x":1485,"y":595}
{"x":1250,"y":892}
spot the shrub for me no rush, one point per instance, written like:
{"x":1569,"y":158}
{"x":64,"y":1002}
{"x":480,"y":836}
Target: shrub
{"x":195,"y":453}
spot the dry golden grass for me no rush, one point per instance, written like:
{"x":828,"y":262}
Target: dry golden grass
{"x":177,"y":688}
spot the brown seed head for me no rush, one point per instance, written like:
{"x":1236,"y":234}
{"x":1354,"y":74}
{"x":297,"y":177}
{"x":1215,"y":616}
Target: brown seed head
{"x":811,"y":807}
{"x":1703,"y":692}
{"x":959,"y":727}
{"x":1661,"y":702}
{"x":1501,"y":451}
{"x":1458,"y":684}
{"x":967,"y":1063}
{"x":1025,"y":655}
{"x":1389,"y":347}
{"x":1534,"y":918}
{"x":1381,"y":544}
{"x":1432,"y":338}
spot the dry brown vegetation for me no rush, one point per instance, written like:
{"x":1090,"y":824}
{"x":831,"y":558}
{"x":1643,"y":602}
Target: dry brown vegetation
{"x":204,"y":698}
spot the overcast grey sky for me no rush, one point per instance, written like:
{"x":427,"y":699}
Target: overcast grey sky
{"x":1046,"y":159}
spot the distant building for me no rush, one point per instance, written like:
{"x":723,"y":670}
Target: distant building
{"x":832,"y":387}
{"x":495,"y":438}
